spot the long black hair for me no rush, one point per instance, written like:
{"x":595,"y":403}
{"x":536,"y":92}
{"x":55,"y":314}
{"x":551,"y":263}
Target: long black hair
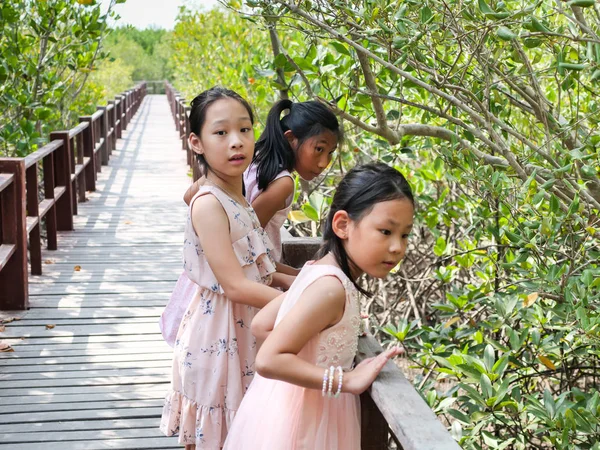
{"x":200,"y":105}
{"x":357,"y":194}
{"x":273,"y":152}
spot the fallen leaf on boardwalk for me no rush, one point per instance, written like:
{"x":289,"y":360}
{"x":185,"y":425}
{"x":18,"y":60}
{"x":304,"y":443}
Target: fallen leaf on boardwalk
{"x":530,"y":300}
{"x":2,"y":328}
{"x":9,"y":320}
{"x":545,"y":361}
{"x":127,"y":222}
{"x":50,"y":326}
{"x":49,"y":261}
{"x":4,"y":347}
{"x":77,"y":268}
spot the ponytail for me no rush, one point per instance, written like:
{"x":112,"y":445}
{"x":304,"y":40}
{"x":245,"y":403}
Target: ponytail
{"x":273,"y":152}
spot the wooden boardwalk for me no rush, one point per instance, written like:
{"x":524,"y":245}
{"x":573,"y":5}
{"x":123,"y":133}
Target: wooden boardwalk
{"x":89,"y":368}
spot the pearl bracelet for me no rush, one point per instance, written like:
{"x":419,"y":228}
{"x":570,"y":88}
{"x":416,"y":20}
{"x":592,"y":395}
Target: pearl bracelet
{"x":340,"y":380}
{"x":331,"y":376}
{"x":325,"y":378}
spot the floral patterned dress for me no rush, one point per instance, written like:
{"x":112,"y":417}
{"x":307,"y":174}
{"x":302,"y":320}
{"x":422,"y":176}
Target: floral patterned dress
{"x":214,"y":352}
{"x":276,"y":415}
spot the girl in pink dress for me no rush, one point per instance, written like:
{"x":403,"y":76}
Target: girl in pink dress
{"x":303,"y":140}
{"x":305,"y":395}
{"x":227,"y":256}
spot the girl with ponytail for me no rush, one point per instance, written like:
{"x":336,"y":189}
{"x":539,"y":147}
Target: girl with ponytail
{"x":298,"y":137}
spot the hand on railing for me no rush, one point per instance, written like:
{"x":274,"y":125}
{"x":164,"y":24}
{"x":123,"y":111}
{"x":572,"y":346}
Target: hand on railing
{"x":363,"y":375}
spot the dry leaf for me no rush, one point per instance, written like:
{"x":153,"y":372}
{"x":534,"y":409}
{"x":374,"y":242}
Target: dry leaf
{"x":4,"y":347}
{"x":50,"y":326}
{"x":298,"y":216}
{"x":49,"y":261}
{"x":530,"y":300}
{"x":545,"y":361}
{"x":451,"y":322}
{"x":127,"y":222}
{"x":2,"y":328}
{"x":77,"y":268}
{"x":9,"y":320}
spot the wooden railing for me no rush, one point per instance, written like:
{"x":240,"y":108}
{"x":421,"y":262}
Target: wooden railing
{"x":393,"y":412}
{"x":181,"y":112}
{"x":394,"y":415}
{"x":70,"y":163}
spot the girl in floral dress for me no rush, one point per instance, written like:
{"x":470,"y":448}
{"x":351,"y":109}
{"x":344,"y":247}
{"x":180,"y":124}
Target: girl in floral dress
{"x":227,"y":256}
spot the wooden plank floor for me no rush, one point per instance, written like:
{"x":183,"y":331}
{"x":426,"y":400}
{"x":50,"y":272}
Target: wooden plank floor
{"x":96,"y":380}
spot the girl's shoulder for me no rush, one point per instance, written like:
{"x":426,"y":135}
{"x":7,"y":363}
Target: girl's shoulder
{"x":311,"y":272}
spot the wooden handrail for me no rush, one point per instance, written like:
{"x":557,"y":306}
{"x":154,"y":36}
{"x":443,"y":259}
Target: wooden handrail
{"x":70,"y":162}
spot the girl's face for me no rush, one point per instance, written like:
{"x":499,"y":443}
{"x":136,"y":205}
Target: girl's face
{"x":314,"y":155}
{"x":377,"y":242}
{"x":226,"y":138}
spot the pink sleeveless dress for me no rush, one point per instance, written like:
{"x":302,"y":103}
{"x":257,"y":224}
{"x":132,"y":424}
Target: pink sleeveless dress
{"x":214,"y":353}
{"x":185,"y":288}
{"x":276,"y":415}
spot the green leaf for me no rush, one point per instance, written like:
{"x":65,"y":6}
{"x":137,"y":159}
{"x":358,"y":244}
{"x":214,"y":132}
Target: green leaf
{"x":459,"y":415}
{"x":425,"y":15}
{"x":554,"y":205}
{"x":505,"y":34}
{"x":489,"y":357}
{"x":486,"y":386}
{"x":310,"y":212}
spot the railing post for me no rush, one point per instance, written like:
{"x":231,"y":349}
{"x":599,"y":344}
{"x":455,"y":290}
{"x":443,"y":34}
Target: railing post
{"x":49,"y":184}
{"x":88,"y":151}
{"x":118,"y":121}
{"x":104,"y":134}
{"x":125,"y":114}
{"x":62,"y":170}
{"x":33,"y":210}
{"x":112,"y":113}
{"x":13,"y":276}
{"x":374,"y":428}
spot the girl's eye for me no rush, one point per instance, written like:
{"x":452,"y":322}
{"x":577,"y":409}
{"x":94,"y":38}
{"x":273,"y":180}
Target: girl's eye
{"x":386,"y":232}
{"x":406,"y":236}
{"x":220,"y":133}
{"x":245,"y":130}
{"x":319,"y":149}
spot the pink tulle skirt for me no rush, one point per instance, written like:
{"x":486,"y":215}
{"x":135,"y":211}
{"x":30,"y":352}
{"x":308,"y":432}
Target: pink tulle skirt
{"x":275,"y":415}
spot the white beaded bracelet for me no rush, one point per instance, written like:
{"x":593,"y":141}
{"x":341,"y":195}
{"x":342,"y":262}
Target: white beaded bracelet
{"x":331,"y":375}
{"x":325,"y":378}
{"x":340,"y":381}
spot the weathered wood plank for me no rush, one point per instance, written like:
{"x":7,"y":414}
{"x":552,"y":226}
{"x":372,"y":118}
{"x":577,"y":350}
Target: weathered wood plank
{"x":78,"y":425}
{"x":132,"y":346}
{"x":87,"y":435}
{"x":94,"y":414}
{"x":80,"y":330}
{"x":74,"y":382}
{"x":81,"y":406}
{"x":141,"y":443}
{"x":154,"y":392}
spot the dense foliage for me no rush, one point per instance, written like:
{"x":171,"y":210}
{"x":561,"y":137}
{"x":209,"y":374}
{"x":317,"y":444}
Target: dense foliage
{"x":48,"y":51}
{"x":491,"y":110}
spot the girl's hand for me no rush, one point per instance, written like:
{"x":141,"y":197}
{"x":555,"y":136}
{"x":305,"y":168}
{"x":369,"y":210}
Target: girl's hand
{"x":359,"y":380}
